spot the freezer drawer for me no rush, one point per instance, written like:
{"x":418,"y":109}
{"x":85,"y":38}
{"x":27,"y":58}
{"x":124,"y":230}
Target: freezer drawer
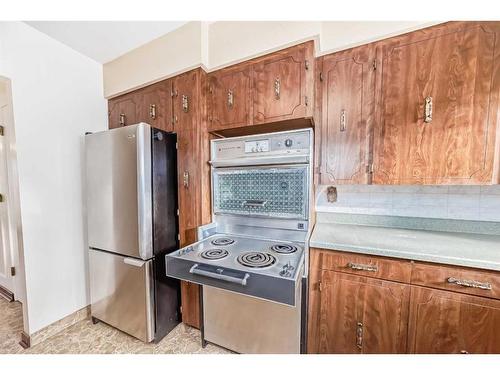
{"x":122,"y":293}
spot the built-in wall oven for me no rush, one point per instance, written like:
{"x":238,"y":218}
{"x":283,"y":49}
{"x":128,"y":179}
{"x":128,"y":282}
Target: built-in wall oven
{"x":251,"y":260}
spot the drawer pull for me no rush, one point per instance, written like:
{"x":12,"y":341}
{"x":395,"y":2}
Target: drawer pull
{"x":362,"y":267}
{"x":469,"y":283}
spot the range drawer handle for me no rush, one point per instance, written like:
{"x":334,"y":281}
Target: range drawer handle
{"x":362,"y":267}
{"x":219,"y":275}
{"x":469,"y":283}
{"x":254,"y":203}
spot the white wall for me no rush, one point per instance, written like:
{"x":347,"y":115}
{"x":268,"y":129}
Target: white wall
{"x":168,"y":55}
{"x":217,"y":44}
{"x":442,"y":202}
{"x":57,"y":96}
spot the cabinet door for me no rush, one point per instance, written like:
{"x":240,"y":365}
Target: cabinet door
{"x":348,"y":99}
{"x":362,"y":315}
{"x":185,"y":97}
{"x":123,"y":111}
{"x":449,"y":322}
{"x":156,"y":105}
{"x":190,"y":297}
{"x":188,"y":185}
{"x":436,"y":93}
{"x":282,"y":85}
{"x":230,"y":98}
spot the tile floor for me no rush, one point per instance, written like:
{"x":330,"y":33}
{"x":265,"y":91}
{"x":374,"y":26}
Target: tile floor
{"x":85,"y":337}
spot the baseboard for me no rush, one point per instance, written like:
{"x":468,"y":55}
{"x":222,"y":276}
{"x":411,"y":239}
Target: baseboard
{"x":54,"y":328}
{"x":7,"y":294}
{"x":25,"y":340}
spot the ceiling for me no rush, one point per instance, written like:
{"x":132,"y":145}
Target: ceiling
{"x":104,"y":41}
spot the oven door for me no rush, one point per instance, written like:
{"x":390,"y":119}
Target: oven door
{"x":264,"y":191}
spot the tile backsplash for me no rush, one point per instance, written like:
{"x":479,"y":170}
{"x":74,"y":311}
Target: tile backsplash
{"x":444,"y":202}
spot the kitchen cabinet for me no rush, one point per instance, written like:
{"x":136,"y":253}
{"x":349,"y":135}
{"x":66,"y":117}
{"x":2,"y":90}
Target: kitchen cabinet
{"x":155,"y":105}
{"x":123,"y":110}
{"x":347,"y":98}
{"x":436,"y":119}
{"x":283,"y":85}
{"x":371,"y":304}
{"x":270,"y":89}
{"x":230,"y":98}
{"x":189,"y":117}
{"x":450,"y":322}
{"x":359,"y":314}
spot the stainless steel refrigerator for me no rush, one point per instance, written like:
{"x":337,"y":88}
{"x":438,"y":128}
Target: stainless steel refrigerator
{"x":132,"y":223}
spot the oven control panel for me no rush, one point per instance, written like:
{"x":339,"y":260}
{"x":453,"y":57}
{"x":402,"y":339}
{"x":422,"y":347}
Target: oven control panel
{"x":264,"y":145}
{"x":257,"y":146}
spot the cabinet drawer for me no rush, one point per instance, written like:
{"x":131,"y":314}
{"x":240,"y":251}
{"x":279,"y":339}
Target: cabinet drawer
{"x":366,"y":265}
{"x":457,"y":279}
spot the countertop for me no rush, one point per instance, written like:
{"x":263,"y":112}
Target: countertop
{"x":446,"y":247}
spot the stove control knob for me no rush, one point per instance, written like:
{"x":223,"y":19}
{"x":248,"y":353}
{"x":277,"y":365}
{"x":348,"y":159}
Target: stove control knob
{"x":288,"y":142}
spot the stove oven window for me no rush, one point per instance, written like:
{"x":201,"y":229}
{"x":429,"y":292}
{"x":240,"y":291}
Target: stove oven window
{"x":277,"y":192}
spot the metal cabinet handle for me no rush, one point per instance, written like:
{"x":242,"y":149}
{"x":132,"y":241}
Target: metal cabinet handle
{"x":254,"y":203}
{"x":122,"y":119}
{"x":359,"y":335}
{"x":185,"y":179}
{"x":343,"y":120}
{"x":133,"y":262}
{"x":277,"y":88}
{"x":362,"y":267}
{"x":428,"y":109}
{"x":152,"y":111}
{"x":185,"y":103}
{"x":469,"y":283}
{"x":230,"y":99}
{"x":219,"y":275}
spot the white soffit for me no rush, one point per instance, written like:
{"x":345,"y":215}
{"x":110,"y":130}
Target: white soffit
{"x":104,"y":41}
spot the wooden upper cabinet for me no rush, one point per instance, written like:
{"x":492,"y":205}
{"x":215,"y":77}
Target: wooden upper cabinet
{"x":347,"y":102}
{"x":361,"y":315}
{"x":283,"y":85}
{"x":230,"y":98}
{"x":438,"y":106}
{"x":123,"y":110}
{"x":156,"y":105}
{"x":186,"y":92}
{"x":448,"y":322}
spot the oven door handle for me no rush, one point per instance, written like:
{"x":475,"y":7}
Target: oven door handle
{"x":218,"y":275}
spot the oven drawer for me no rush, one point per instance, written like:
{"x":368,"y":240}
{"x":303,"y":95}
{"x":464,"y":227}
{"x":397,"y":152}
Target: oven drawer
{"x":464,"y":280}
{"x":366,"y":265}
{"x":250,"y":325}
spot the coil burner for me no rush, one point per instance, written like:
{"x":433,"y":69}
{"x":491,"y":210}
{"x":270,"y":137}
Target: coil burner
{"x":222,"y":241}
{"x":214,"y":254}
{"x":256,"y":259}
{"x":284,"y":248}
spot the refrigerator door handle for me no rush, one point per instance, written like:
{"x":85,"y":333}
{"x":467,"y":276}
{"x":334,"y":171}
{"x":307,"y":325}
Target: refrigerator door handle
{"x":133,"y":262}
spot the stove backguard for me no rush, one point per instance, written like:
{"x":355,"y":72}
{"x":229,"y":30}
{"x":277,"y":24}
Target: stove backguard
{"x":270,"y":191}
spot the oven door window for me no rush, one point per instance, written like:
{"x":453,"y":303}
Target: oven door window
{"x":277,"y":192}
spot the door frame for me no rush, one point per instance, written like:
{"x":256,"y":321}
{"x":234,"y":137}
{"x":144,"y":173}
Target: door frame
{"x":12,"y":199}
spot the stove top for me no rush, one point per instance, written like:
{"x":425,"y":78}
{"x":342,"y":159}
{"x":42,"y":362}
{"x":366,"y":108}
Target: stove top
{"x":260,"y":267}
{"x":248,"y":254}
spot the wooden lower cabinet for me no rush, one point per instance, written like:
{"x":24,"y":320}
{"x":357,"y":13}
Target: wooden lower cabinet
{"x":361,"y":315}
{"x":449,"y":322}
{"x":351,"y":313}
{"x":190,"y":298}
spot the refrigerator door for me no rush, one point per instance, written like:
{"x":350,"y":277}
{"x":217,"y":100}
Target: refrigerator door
{"x":122,"y":295}
{"x":119,"y":200}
